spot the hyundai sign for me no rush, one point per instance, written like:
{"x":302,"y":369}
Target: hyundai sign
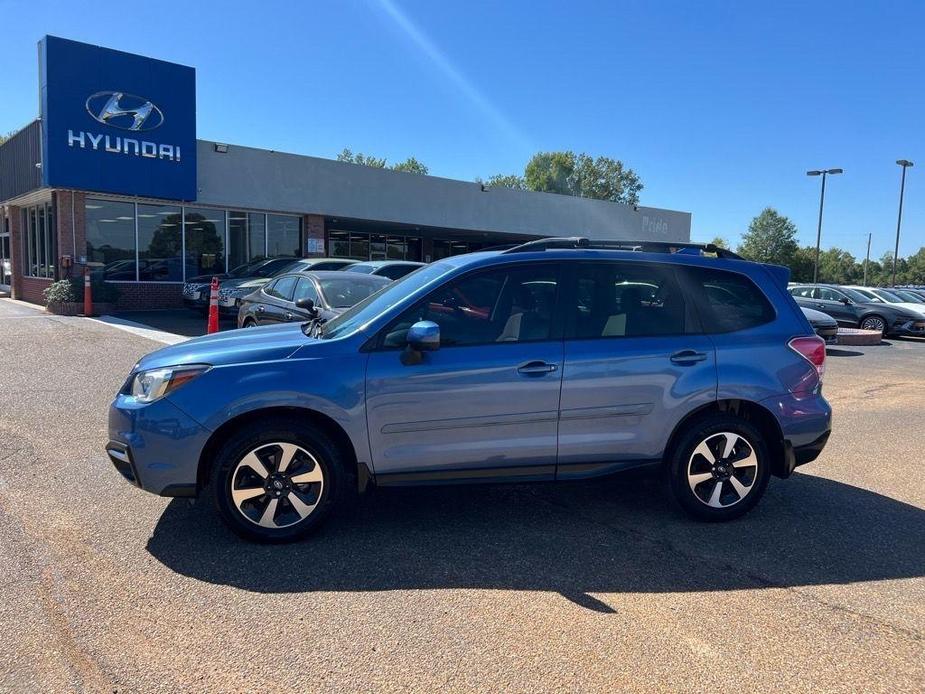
{"x":115,"y":122}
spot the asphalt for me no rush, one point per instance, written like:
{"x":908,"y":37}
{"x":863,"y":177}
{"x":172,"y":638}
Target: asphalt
{"x":595,"y":586}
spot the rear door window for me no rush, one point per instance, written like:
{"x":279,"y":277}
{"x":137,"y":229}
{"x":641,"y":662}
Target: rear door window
{"x":614,"y":300}
{"x":729,"y":301}
{"x":282,"y":288}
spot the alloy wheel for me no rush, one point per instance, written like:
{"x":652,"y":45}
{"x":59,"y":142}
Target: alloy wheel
{"x":722,"y":470}
{"x":873,"y":323}
{"x":277,"y":485}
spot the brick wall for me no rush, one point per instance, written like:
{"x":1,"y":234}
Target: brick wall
{"x":313,"y":224}
{"x":144,"y":295}
{"x":31,"y":288}
{"x":16,"y":249}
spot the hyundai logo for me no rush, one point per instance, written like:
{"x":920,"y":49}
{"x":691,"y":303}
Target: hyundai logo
{"x":125,"y":111}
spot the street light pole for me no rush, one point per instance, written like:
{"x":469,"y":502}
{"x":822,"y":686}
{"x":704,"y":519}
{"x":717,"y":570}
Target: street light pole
{"x":867,"y":257}
{"x":905,"y":163}
{"x":823,"y":173}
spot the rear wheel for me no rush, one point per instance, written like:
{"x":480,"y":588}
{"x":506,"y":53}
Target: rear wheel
{"x":276,"y":481}
{"x":719,"y":468}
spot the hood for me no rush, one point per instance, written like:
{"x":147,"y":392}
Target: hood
{"x":206,"y":279}
{"x":232,"y":347}
{"x":895,"y":310}
{"x":818,"y":317}
{"x":245,"y":282}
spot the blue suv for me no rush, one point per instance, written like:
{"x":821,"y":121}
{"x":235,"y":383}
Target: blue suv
{"x":558,"y":359}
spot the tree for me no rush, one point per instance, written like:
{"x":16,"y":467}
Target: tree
{"x":348,"y":156}
{"x":4,"y":138}
{"x":839,"y":267}
{"x":411,"y":165}
{"x":720,"y":242}
{"x":514,"y":181}
{"x":801,"y":267}
{"x":771,"y":238}
{"x":581,"y":175}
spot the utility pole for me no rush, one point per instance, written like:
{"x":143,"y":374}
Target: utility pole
{"x":867,"y":258}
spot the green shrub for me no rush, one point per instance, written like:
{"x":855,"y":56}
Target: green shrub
{"x":72,"y":291}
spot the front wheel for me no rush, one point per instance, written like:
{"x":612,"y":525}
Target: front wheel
{"x":276,"y":481}
{"x":719,"y":468}
{"x":875,"y":323}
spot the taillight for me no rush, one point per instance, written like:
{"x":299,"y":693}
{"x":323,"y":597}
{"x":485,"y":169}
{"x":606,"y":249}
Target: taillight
{"x":812,"y":349}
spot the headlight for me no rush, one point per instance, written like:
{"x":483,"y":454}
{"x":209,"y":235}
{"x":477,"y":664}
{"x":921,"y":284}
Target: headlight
{"x":153,"y":384}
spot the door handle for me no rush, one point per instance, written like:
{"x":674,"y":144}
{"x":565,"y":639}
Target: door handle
{"x":687,"y":356}
{"x":260,"y":308}
{"x":536,"y":367}
{"x":288,"y":315}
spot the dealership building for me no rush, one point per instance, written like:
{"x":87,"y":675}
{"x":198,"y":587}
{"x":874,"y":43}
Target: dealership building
{"x":111,"y":176}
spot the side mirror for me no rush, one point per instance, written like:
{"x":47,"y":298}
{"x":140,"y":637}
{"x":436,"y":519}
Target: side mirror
{"x":846,"y":301}
{"x":424,"y":336}
{"x":306,"y":305}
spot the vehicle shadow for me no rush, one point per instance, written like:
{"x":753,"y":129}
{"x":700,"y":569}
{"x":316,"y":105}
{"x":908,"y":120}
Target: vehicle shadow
{"x":577,"y":538}
{"x":841,"y":352}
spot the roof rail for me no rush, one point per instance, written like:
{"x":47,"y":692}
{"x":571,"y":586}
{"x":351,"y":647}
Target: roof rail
{"x":582,"y":242}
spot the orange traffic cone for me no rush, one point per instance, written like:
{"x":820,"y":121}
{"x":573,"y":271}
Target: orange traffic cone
{"x":88,"y":293}
{"x":213,"y":307}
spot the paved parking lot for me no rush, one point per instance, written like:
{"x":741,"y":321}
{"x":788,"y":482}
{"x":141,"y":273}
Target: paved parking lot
{"x":591,"y":586}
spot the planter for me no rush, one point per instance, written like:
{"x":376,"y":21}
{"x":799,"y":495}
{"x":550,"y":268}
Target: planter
{"x":857,"y":337}
{"x":77,"y":308}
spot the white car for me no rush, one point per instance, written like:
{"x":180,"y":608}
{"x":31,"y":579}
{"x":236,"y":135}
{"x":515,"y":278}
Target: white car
{"x":887,"y":296}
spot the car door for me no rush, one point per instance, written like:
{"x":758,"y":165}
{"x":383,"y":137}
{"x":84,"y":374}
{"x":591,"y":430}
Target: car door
{"x":485,"y":404}
{"x":277,"y":300}
{"x":837,"y":305}
{"x":635,"y":363}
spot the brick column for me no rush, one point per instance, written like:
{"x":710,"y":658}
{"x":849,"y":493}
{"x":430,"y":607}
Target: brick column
{"x":17,"y":247}
{"x":313,"y":226}
{"x":71,"y":215}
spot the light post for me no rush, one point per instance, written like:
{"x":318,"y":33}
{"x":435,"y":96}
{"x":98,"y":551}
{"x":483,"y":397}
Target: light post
{"x":905,"y":163}
{"x":823,"y":173}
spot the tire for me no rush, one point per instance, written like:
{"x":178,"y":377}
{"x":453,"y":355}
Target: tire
{"x":249,"y":323}
{"x":699,"y":455}
{"x":874,"y":323}
{"x":272,"y":504}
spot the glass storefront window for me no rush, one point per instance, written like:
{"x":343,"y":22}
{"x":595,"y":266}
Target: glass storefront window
{"x":205,"y":241}
{"x":377,"y":247}
{"x":111,"y":239}
{"x":284,"y":235}
{"x":396,"y":248}
{"x":160,"y":243}
{"x":339,"y":244}
{"x":257,"y":236}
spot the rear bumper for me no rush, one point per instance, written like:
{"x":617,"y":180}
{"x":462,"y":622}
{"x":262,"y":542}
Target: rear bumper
{"x":806,"y":424}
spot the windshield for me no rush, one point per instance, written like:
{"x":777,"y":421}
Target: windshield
{"x":381,"y":301}
{"x":245,"y":269}
{"x":858,"y":296}
{"x":889,"y":296}
{"x":908,"y":297}
{"x":347,"y":291}
{"x":869,"y":296}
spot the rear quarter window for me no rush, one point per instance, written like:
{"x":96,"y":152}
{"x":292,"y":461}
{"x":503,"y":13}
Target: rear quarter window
{"x":729,"y":301}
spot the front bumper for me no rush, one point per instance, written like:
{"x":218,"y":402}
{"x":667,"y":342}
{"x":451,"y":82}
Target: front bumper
{"x":908,"y":329}
{"x":155,"y":447}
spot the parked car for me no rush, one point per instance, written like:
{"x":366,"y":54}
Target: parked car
{"x":196,"y":289}
{"x":823,"y":324}
{"x":544,"y":362}
{"x":393,"y":269}
{"x":855,"y":310}
{"x":306,"y":296}
{"x":231,"y":293}
{"x":891,"y":297}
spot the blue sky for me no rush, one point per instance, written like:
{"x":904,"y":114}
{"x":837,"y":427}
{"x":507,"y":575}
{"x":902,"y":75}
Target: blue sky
{"x":719,"y":106}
